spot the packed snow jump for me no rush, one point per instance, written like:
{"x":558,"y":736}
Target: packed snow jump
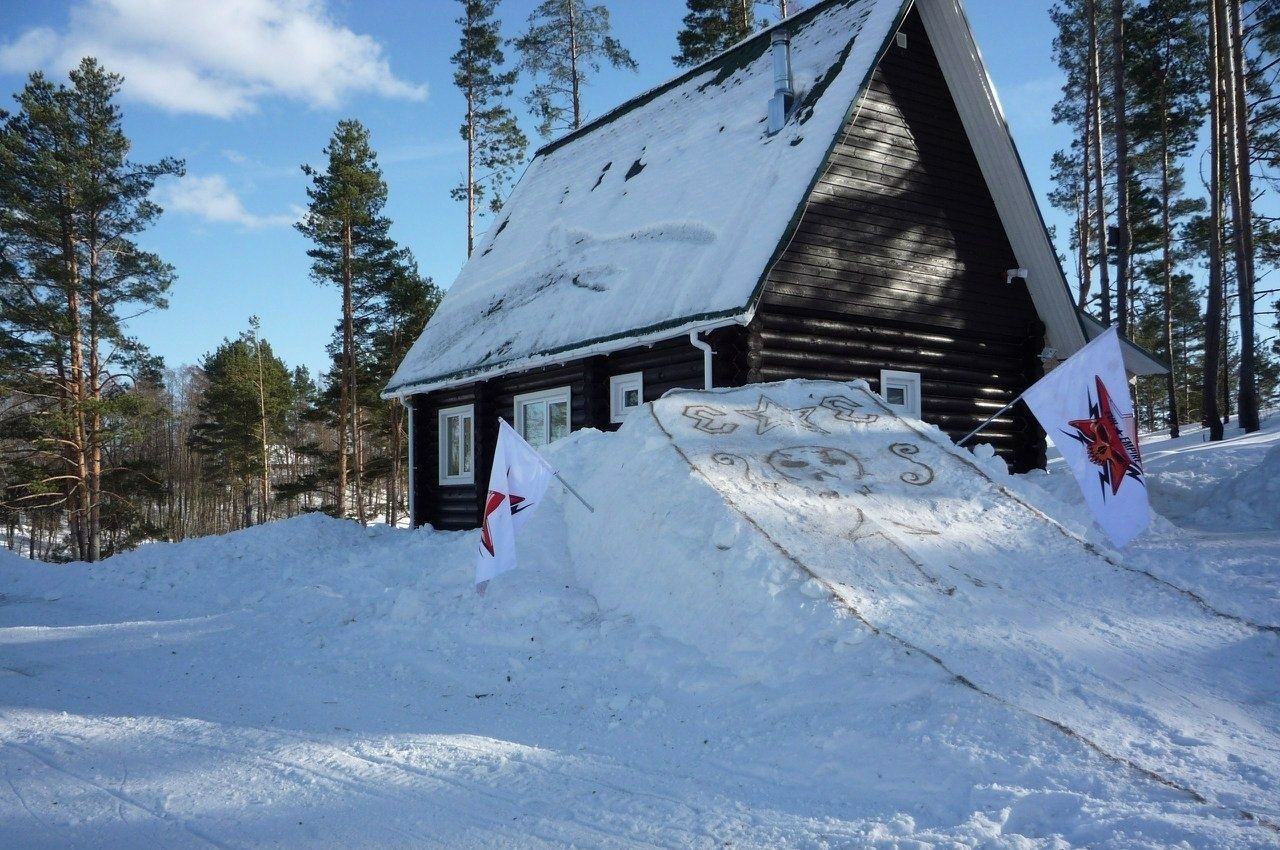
{"x":924,"y":547}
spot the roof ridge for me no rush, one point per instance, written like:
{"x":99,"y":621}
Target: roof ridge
{"x":638,"y":100}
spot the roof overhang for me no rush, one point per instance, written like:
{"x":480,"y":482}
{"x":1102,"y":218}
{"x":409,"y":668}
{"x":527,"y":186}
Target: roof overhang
{"x":637,"y":339}
{"x":1137,"y":360}
{"x":984,"y":122}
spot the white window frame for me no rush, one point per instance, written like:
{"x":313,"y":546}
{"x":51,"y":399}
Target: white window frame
{"x":910,"y":382}
{"x":468,"y":414}
{"x":618,"y":386}
{"x":550,"y":396}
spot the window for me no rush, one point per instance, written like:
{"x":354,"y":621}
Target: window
{"x":626,"y":393}
{"x":457,"y":445}
{"x":543,"y":417}
{"x":901,"y":391}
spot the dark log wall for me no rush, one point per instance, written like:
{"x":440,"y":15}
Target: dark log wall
{"x":671,"y":364}
{"x":899,"y":262}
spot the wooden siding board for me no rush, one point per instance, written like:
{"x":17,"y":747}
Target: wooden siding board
{"x":666,"y":365}
{"x":900,"y":262}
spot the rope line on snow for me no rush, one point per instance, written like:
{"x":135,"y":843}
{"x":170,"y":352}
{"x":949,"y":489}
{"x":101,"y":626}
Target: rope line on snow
{"x":838,"y":595}
{"x":955,"y":452}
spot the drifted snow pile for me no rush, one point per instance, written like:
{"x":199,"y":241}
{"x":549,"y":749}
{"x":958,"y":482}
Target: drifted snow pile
{"x":1249,"y":501}
{"x":914,"y":540}
{"x":793,"y":621}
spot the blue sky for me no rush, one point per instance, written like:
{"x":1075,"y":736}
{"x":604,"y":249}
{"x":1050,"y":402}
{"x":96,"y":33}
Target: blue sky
{"x":247,"y":90}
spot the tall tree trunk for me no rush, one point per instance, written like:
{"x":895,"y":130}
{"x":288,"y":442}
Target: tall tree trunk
{"x":264,"y":494}
{"x":1213,"y":319}
{"x":344,"y":386}
{"x":1123,"y":229}
{"x":573,"y":64}
{"x":471,"y":170}
{"x":1242,"y":217}
{"x":95,"y":387}
{"x":78,"y":520}
{"x":1166,"y":264}
{"x":1099,"y":174}
{"x":357,"y":454}
{"x":1086,"y":203}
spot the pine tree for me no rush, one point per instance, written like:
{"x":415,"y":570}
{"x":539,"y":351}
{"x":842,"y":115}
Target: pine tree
{"x":351,"y":248}
{"x":1080,"y":174}
{"x":70,"y":204}
{"x":1167,"y":74}
{"x":711,"y":26}
{"x":242,"y":414}
{"x":1214,"y":337}
{"x":565,"y":42}
{"x":405,"y":302}
{"x":495,"y":143}
{"x":1072,"y":169}
{"x":1120,"y":125}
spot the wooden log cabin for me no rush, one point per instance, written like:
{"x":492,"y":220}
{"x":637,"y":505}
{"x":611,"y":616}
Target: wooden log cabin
{"x":835,"y":198}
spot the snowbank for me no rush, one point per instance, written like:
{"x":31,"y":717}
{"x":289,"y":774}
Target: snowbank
{"x":1249,"y":501}
{"x":707,"y":661}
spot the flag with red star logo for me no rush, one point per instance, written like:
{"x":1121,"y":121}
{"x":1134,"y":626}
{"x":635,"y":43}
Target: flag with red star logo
{"x":516,"y":484}
{"x":1085,"y":407}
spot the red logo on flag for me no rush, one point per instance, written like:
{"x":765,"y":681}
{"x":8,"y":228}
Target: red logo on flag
{"x":1106,"y":443}
{"x":492,"y":504}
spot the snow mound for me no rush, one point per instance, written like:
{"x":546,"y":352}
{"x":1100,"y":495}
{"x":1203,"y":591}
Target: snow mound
{"x":1250,"y":501}
{"x":817,"y":493}
{"x":793,"y":620}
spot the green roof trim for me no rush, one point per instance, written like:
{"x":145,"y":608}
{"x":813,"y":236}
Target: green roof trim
{"x":489,"y":368}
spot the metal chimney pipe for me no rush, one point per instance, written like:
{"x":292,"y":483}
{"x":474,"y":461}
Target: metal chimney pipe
{"x":783,"y":90}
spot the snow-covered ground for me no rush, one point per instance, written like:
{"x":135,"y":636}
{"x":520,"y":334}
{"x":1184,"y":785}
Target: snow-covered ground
{"x":810,"y":637}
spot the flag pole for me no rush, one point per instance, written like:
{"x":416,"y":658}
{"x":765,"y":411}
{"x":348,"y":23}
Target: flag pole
{"x":988,"y":421}
{"x":552,"y":470}
{"x":575,"y":493}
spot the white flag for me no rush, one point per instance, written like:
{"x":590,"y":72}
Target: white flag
{"x":1085,"y":407}
{"x":519,"y":478}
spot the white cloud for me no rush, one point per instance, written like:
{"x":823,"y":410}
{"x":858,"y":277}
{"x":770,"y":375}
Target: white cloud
{"x":216,"y":57}
{"x":213,"y":199}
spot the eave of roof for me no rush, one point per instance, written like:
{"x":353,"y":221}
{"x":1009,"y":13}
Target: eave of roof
{"x":1137,"y":360}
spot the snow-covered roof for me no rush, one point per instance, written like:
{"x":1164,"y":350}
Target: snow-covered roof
{"x":659,"y":216}
{"x":664,"y":215}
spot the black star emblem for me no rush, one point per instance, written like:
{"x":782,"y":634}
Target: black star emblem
{"x":769,"y":415}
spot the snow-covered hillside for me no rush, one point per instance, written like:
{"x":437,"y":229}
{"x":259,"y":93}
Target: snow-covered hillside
{"x":811,"y":629}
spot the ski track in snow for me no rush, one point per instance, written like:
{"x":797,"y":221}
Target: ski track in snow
{"x":657,"y":675}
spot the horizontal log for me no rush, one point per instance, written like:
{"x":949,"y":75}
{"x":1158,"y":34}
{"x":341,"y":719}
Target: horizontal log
{"x":871,"y":347}
{"x":802,"y":323}
{"x":821,"y":299}
{"x":850,"y":270}
{"x":938,"y":380}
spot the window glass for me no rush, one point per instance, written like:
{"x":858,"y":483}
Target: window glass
{"x":543,"y":417}
{"x":901,"y":390}
{"x":457,"y":445}
{"x":559,"y":420}
{"x":466,"y":445}
{"x":454,"y":446}
{"x":535,"y":423}
{"x":626,"y":393}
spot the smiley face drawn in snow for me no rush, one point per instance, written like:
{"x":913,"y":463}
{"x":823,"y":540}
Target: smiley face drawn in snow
{"x":817,"y":467}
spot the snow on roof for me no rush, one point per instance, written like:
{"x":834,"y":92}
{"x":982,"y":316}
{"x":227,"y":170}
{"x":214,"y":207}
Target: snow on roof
{"x":660,"y":216}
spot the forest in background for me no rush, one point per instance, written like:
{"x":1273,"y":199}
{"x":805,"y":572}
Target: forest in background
{"x":1170,"y":181}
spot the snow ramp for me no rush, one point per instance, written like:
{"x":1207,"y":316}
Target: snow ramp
{"x":886,"y":520}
